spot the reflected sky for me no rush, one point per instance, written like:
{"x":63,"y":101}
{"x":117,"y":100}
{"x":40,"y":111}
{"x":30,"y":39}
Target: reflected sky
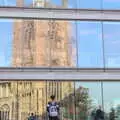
{"x":111,"y":95}
{"x":90,"y":52}
{"x":96,"y":4}
{"x":93,"y":4}
{"x":6,"y":42}
{"x":112,"y":42}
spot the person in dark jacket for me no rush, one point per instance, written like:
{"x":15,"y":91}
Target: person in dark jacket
{"x":32,"y":117}
{"x":99,"y":114}
{"x":53,"y":109}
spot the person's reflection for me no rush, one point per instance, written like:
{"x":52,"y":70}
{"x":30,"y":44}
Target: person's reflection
{"x":112,"y":114}
{"x":99,"y":114}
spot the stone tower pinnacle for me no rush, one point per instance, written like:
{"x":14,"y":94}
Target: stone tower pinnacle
{"x":64,"y":3}
{"x":20,"y":3}
{"x":38,"y":3}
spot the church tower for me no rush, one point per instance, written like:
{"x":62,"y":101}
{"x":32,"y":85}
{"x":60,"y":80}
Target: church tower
{"x":20,"y":3}
{"x":43,"y":43}
{"x":38,"y":3}
{"x":65,"y":3}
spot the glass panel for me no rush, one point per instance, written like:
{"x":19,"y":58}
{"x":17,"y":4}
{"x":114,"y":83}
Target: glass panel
{"x":71,"y":4}
{"x":68,"y":101}
{"x":94,"y":4}
{"x":37,"y":43}
{"x":64,"y":92}
{"x":7,"y":2}
{"x":48,"y":3}
{"x":19,"y":99}
{"x":111,"y":4}
{"x":90,"y":48}
{"x":6,"y":42}
{"x":111,"y":44}
{"x":63,"y":43}
{"x":28,"y":3}
{"x":111,"y":100}
{"x":56,"y":3}
{"x":88,"y":100}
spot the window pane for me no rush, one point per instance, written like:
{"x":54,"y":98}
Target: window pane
{"x":90,"y":44}
{"x":28,"y":3}
{"x":7,"y":2}
{"x":38,"y":43}
{"x":88,"y":99}
{"x":111,"y":42}
{"x":61,"y":3}
{"x":64,"y":92}
{"x":19,"y":99}
{"x":111,"y":100}
{"x":94,"y":4}
{"x":6,"y":42}
{"x":50,"y":3}
{"x":62,"y":43}
{"x":111,"y":4}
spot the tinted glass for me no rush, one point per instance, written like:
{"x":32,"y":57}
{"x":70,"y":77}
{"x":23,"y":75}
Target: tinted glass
{"x":111,"y":4}
{"x":92,"y":4}
{"x":89,"y":39}
{"x":19,"y":99}
{"x":111,"y":44}
{"x":111,"y":100}
{"x":88,"y":99}
{"x":37,"y":43}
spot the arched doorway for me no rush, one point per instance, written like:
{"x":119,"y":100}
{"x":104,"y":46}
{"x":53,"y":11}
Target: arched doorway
{"x":4,"y":112}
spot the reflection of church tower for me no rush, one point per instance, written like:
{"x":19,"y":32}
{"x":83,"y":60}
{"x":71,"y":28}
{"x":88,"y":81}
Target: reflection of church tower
{"x":19,"y":3}
{"x":65,"y":3}
{"x":42,"y":43}
{"x":38,"y":3}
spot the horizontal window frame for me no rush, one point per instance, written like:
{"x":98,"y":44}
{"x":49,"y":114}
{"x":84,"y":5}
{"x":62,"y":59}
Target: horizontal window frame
{"x":60,"y":14}
{"x":63,"y":74}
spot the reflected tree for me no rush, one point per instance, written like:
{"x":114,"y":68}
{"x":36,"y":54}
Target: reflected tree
{"x":76,"y":104}
{"x":82,"y":102}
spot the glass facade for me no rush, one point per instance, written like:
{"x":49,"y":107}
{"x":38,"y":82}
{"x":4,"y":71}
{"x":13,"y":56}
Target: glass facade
{"x":77,"y":100}
{"x":76,"y":4}
{"x":33,"y":43}
{"x":111,"y":40}
{"x":57,"y":43}
{"x":37,"y":43}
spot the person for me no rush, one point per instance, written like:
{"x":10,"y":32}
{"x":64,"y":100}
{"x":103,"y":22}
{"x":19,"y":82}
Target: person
{"x":99,"y":114}
{"x":32,"y":117}
{"x":112,"y":114}
{"x":53,"y":109}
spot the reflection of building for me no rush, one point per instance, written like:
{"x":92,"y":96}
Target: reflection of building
{"x":78,"y":103}
{"x":37,"y":43}
{"x":5,"y":100}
